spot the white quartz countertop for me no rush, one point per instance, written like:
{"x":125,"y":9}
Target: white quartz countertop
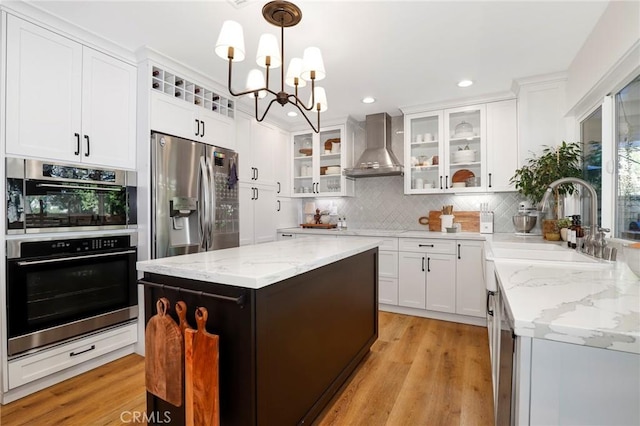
{"x":259,"y":265}
{"x":401,"y":233}
{"x":590,"y":304}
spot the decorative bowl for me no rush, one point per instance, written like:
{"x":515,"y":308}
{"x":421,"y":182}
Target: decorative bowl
{"x":463,"y":156}
{"x":333,"y":170}
{"x":524,"y":223}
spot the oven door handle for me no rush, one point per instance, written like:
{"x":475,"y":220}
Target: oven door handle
{"x":95,"y":188}
{"x":65,"y":259}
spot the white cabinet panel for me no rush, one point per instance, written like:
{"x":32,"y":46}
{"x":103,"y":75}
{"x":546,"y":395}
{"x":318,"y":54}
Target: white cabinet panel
{"x":257,"y":213}
{"x":66,"y":101}
{"x":388,"y":290}
{"x":286,"y":212}
{"x":441,"y":284}
{"x":424,"y":245}
{"x":388,"y":264}
{"x":44,"y":92}
{"x":411,"y":276}
{"x":502,"y":144}
{"x":470,"y":285}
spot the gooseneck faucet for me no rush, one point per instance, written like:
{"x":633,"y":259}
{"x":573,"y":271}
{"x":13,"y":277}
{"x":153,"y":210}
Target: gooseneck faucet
{"x":595,"y":241}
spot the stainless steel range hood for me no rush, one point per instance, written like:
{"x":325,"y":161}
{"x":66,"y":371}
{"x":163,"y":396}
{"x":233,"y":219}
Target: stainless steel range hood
{"x":377,"y":158}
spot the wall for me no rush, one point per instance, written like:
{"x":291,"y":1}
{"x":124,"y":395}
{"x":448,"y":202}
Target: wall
{"x":380,"y":203}
{"x":612,"y":39}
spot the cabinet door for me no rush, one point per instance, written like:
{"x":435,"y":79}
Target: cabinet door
{"x":282,"y":173}
{"x":174,"y":117}
{"x":108,"y":110}
{"x":264,"y":140}
{"x":328,"y":165}
{"x":243,"y":145}
{"x":286,"y":212}
{"x":246,"y":196}
{"x":302,"y":181}
{"x":264,"y":212}
{"x":44,"y":83}
{"x":216,"y":129}
{"x":465,"y":148}
{"x":470,"y":286}
{"x":411,"y":280}
{"x":441,"y":282}
{"x":388,"y":291}
{"x":423,"y":152}
{"x":502,"y":144}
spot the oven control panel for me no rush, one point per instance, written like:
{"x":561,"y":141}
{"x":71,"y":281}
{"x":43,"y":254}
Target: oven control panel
{"x":74,"y":246}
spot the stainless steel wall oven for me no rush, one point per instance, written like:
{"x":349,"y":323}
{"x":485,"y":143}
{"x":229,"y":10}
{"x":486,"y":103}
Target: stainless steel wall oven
{"x":59,"y":289}
{"x":43,"y":196}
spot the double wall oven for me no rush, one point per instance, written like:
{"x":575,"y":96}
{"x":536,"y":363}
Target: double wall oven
{"x":62,"y":284}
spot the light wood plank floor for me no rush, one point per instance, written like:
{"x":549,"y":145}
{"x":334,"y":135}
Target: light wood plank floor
{"x":419,"y":372}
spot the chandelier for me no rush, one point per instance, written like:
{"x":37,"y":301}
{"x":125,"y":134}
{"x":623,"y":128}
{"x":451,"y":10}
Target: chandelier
{"x":230,"y":45}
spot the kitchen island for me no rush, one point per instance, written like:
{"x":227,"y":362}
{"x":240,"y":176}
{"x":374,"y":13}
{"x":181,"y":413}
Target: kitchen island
{"x":294,"y":318}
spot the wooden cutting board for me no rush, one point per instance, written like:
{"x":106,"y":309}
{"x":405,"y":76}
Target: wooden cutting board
{"x":469,"y":221}
{"x":164,"y":364}
{"x":202,"y":402}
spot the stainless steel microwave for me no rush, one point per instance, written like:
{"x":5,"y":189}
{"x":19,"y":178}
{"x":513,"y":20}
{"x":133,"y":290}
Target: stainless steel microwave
{"x":43,"y":196}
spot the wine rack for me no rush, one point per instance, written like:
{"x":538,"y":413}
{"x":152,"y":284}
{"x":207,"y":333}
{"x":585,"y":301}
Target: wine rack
{"x":183,"y":89}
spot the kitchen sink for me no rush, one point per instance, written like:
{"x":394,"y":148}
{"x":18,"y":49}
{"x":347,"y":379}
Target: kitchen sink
{"x":530,"y":246}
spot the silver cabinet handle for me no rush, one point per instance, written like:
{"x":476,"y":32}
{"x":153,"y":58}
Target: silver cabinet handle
{"x":67,"y":259}
{"x":93,"y":188}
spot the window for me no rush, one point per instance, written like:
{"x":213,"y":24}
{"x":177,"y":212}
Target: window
{"x":591,"y":137}
{"x":627,"y":145}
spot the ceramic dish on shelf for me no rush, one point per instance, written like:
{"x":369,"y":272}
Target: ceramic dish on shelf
{"x":461,"y":176}
{"x":333,"y":170}
{"x":458,"y":185}
{"x":463,"y":156}
{"x":306,"y":151}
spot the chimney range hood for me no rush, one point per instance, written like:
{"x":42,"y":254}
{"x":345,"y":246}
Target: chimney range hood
{"x":377,"y":158}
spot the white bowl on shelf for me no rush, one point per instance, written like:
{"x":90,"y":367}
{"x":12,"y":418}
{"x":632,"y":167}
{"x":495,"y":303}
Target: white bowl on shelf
{"x":458,"y":185}
{"x":463,"y":156}
{"x":333,"y":170}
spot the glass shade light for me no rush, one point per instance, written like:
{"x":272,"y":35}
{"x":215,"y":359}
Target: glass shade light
{"x":294,"y":70}
{"x":255,"y":80}
{"x":320,"y":98}
{"x":231,"y":35}
{"x":268,"y":46}
{"x":312,"y":61}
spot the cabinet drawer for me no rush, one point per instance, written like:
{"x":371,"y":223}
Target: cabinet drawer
{"x":388,"y":264}
{"x":425,"y":245}
{"x":386,"y":243}
{"x":33,"y":367}
{"x":388,"y":291}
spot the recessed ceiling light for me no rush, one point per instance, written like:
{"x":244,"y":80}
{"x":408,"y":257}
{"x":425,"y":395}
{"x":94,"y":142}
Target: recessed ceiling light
{"x":368,"y":100}
{"x":465,"y":83}
{"x":292,"y":114}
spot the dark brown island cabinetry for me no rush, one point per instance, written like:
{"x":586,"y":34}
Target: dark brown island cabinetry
{"x":286,"y":348}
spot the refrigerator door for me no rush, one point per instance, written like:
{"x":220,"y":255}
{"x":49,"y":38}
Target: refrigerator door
{"x":225,"y":220}
{"x":177,"y":219}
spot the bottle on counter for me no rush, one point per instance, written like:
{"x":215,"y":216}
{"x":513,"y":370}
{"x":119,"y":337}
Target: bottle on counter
{"x":339,"y":223}
{"x":344,"y":222}
{"x":579,"y":233}
{"x":570,"y":231}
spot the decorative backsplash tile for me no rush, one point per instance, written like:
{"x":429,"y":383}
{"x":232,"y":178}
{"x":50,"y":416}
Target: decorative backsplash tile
{"x":380,"y":203}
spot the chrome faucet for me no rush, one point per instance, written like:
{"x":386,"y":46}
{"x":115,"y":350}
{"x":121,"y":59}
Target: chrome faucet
{"x":595,"y":242}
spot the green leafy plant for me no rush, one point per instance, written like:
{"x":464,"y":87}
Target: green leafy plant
{"x":564,"y":222}
{"x":555,"y":162}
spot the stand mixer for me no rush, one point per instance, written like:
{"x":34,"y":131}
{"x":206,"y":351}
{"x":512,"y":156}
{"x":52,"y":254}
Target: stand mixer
{"x":525,"y":209}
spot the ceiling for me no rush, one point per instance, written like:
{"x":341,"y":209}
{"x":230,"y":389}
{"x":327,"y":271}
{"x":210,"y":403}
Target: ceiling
{"x":403,"y":53}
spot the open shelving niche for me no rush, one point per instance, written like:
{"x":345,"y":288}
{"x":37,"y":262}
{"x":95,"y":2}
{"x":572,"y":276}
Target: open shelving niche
{"x":180,"y":88}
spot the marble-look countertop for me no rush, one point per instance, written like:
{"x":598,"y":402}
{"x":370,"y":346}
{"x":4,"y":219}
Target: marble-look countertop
{"x":258,"y":265}
{"x":595,"y":305}
{"x":385,"y":233}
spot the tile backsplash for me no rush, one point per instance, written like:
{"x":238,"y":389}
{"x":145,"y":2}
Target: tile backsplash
{"x":380,"y":203}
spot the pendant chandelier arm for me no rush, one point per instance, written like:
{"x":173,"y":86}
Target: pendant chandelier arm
{"x":313,"y":95}
{"x":315,"y":129}
{"x":265,"y":111}
{"x":246,"y":92}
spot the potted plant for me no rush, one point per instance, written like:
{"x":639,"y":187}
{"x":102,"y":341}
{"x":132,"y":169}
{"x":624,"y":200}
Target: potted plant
{"x":563,"y":224}
{"x":555,"y":162}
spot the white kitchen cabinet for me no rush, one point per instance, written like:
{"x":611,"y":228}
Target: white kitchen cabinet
{"x":469,"y":284}
{"x":502,"y":144}
{"x":318,"y":160}
{"x":427,"y":274}
{"x":257,"y":147}
{"x":257,"y":213}
{"x":445,"y":147}
{"x":286,"y":212}
{"x":186,"y":109}
{"x":66,"y":101}
{"x":282,"y":172}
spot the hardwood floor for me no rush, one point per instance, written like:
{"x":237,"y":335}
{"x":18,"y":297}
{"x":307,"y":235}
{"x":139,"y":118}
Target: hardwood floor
{"x":419,"y":372}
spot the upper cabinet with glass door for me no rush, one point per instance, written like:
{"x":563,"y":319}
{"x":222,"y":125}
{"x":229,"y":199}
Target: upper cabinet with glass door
{"x":318,"y":160}
{"x":423,"y":149}
{"x":465,"y":149}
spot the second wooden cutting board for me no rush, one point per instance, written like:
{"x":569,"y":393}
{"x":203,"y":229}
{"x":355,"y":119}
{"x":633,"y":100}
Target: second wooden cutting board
{"x":202,"y":402}
{"x":469,"y":221}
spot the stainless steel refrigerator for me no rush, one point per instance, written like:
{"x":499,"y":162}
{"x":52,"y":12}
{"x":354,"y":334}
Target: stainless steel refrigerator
{"x":194,"y":197}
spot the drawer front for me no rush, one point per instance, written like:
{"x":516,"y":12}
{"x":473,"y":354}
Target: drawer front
{"x":386,"y":243}
{"x":426,"y":245}
{"x":33,"y":367}
{"x":286,"y":236}
{"x":388,"y":291}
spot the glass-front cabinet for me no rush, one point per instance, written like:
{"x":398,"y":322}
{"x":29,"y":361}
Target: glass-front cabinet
{"x":445,"y":151}
{"x":465,"y":148}
{"x":318,"y":160}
